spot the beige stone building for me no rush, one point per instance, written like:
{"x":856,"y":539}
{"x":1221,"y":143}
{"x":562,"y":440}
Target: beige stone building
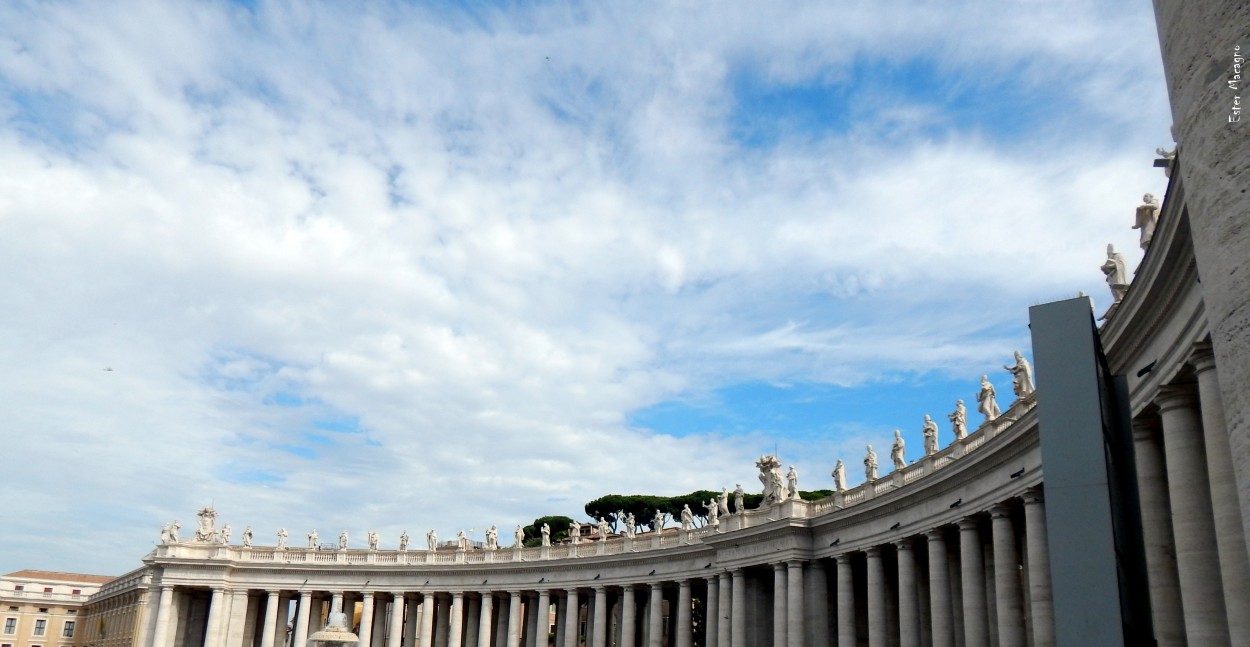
{"x":43,"y":608}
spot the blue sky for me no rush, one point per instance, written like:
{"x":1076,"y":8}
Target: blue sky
{"x":398,"y":266}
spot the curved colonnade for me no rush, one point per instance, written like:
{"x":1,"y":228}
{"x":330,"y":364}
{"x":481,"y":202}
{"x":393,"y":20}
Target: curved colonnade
{"x":951,"y":548}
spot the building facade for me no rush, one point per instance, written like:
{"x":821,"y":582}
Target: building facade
{"x":43,"y":608}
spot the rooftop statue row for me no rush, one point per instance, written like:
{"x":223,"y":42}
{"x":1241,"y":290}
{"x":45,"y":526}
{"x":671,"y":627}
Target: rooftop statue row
{"x":1146,"y":219}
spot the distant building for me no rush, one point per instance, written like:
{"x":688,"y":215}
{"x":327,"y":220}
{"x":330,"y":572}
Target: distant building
{"x":43,"y":608}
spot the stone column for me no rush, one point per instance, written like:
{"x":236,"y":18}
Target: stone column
{"x":302,"y":617}
{"x":428,"y":610}
{"x":1007,"y":578}
{"x":684,"y":629}
{"x":574,"y":609}
{"x":484,"y":620}
{"x":271,"y":619}
{"x":711,"y":614}
{"x":1157,"y":538}
{"x":212,"y":636}
{"x":816,"y":605}
{"x":366,"y":620}
{"x":238,"y":620}
{"x":442,"y":623}
{"x":1230,"y":538}
{"x":779,"y":604}
{"x":878,"y":632}
{"x":1198,"y":567}
{"x":846,"y":601}
{"x":412,"y":624}
{"x":940,"y":610}
{"x":455,"y":634}
{"x":972,"y":580}
{"x":908,"y":600}
{"x":514,"y":620}
{"x":795,"y":631}
{"x":655,"y":616}
{"x":164,"y":611}
{"x":600,"y":629}
{"x":1036,"y":547}
{"x":472,"y":620}
{"x":529,"y":638}
{"x":724,"y":606}
{"x":395,"y":634}
{"x":629,"y":616}
{"x":738,"y":608}
{"x":544,"y":617}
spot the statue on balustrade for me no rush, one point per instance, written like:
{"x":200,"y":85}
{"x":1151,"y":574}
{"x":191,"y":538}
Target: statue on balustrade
{"x":792,"y":482}
{"x":1147,"y":218}
{"x":205,"y":532}
{"x":373,"y":540}
{"x":1117,"y":274}
{"x":986,"y":403}
{"x":403,"y":542}
{"x":713,"y":513}
{"x":575,"y":532}
{"x":343,"y":540}
{"x":687,"y":517}
{"x":770,"y":477}
{"x":657,"y":524}
{"x":312,"y":538}
{"x":839,"y":476}
{"x":930,"y":431}
{"x":959,"y":420}
{"x":604,"y":529}
{"x":247,"y":537}
{"x":546,"y":530}
{"x":518,"y":536}
{"x":225,"y":534}
{"x":898,"y":451}
{"x":431,"y":540}
{"x":462,"y":540}
{"x":1021,"y":376}
{"x":739,"y":498}
{"x":870,"y":465}
{"x":722,"y":504}
{"x":282,"y":538}
{"x":631,"y":526}
{"x":169,"y":532}
{"x":492,"y":538}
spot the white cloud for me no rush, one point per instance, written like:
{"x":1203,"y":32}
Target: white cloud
{"x":476,"y":243}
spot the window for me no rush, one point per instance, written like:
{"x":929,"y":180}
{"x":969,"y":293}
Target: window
{"x":41,"y":625}
{"x":10,"y":625}
{"x":19,"y":587}
{"x":47,"y":589}
{"x":68,"y":630}
{"x":77,"y":592}
{"x":72,"y":612}
{"x":43,"y":609}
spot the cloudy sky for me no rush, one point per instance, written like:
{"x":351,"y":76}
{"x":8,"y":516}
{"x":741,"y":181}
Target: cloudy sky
{"x":402,"y":266}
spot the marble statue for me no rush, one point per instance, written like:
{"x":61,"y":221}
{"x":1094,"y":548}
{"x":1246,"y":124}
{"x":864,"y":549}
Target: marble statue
{"x":282,"y":538}
{"x":247,"y":537}
{"x":403,"y":542}
{"x":739,"y":497}
{"x":492,"y":538}
{"x":1147,"y":219}
{"x":165,"y":533}
{"x":839,"y":476}
{"x":225,"y":534}
{"x":657,"y":524}
{"x":1021,"y":376}
{"x":1117,"y":274}
{"x":722,"y":504}
{"x":687,"y":517}
{"x":770,"y":477}
{"x":173,"y":531}
{"x":631,"y":526}
{"x":986,"y":403}
{"x":792,"y":482}
{"x":373,"y":540}
{"x":930,"y":430}
{"x":713,"y":512}
{"x":898,"y":451}
{"x":431,"y":540}
{"x":205,"y":532}
{"x":343,"y":540}
{"x":518,"y":536}
{"x":312,"y":538}
{"x":604,"y":529}
{"x":575,"y":532}
{"x":1170,"y":156}
{"x":462,"y":540}
{"x":959,"y":420}
{"x":870,"y":465}
{"x":546,"y":530}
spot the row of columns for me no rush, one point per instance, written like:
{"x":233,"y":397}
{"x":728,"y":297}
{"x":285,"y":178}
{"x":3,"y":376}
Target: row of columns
{"x":1189,"y":504}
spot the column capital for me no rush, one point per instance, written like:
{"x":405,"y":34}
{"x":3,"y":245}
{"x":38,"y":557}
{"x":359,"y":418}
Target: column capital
{"x":778,"y":566}
{"x":1000,"y":510}
{"x":844,"y":558}
{"x":903,"y":544}
{"x":603,"y":588}
{"x":934,"y":533}
{"x":397,"y":594}
{"x":967,"y":523}
{"x":873,"y":551}
{"x":1177,"y":396}
{"x":656,"y":586}
{"x":1033,"y":496}
{"x":1203,"y":357}
{"x":685,"y":584}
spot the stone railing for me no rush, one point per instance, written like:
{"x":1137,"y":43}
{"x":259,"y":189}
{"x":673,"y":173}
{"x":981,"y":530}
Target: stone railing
{"x":648,"y":541}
